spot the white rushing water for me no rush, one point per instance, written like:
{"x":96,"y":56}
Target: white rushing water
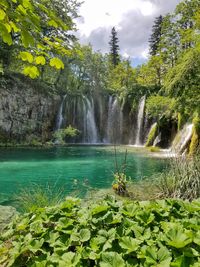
{"x":140,"y":120}
{"x":59,"y":120}
{"x":114,"y":122}
{"x":182,"y":139}
{"x":91,"y":128}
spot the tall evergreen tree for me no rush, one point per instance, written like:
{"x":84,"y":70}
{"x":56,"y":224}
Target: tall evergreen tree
{"x":114,"y":47}
{"x":156,"y":36}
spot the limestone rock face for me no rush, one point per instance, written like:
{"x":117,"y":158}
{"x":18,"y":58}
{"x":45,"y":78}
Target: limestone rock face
{"x":26,"y":109}
{"x":7,"y":213}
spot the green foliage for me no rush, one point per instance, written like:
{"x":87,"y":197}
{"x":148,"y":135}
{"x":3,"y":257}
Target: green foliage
{"x":156,"y":36}
{"x":120,"y":184}
{"x":40,"y":27}
{"x":114,"y":48}
{"x":122,"y":78}
{"x":57,"y":63}
{"x":108,"y":234}
{"x":160,"y":106}
{"x":61,"y":134}
{"x":181,"y":179}
{"x":152,"y":135}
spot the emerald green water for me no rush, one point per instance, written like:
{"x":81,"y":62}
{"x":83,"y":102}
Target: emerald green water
{"x":70,"y":168}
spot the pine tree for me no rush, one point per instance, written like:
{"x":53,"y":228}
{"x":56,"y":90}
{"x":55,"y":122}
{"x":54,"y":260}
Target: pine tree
{"x":156,"y":35}
{"x":114,"y":48}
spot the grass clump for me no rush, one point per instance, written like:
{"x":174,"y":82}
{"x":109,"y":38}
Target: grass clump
{"x":35,"y":196}
{"x":181,"y":179}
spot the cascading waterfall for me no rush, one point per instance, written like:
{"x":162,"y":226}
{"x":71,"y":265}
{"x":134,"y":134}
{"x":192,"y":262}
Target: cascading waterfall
{"x":91,"y":128}
{"x":100,"y":119}
{"x":59,"y":120}
{"x":114,"y":121}
{"x":140,"y":120}
{"x":182,"y":139}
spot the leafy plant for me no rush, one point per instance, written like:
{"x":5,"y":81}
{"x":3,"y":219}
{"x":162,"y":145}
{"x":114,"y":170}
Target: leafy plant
{"x":61,"y":134}
{"x":120,"y":178}
{"x":108,"y":233}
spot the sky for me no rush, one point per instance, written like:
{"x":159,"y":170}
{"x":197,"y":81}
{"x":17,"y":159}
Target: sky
{"x":133,"y":20}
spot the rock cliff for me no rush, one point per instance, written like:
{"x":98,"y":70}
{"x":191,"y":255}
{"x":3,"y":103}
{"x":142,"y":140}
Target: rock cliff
{"x":27,"y":110}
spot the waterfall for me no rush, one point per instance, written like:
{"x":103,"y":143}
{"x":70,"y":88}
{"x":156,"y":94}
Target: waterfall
{"x":59,"y":119}
{"x":90,"y":135}
{"x":140,"y":120}
{"x":114,"y":129}
{"x":182,"y":139}
{"x":157,"y":140}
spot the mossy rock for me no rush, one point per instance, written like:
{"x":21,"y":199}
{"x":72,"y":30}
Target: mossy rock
{"x":7,"y":213}
{"x":152,"y":135}
{"x":154,"y":149}
{"x":195,"y":140}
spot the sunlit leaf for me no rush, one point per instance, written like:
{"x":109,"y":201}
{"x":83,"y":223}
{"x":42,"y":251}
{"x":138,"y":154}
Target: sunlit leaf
{"x":31,"y":71}
{"x":57,"y":63}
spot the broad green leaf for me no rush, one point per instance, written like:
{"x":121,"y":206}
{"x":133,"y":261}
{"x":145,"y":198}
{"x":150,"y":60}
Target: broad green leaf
{"x":26,"y":56}
{"x":130,"y":244}
{"x":111,"y":259}
{"x":40,"y":60}
{"x":68,"y":258}
{"x":57,"y":63}
{"x":53,"y":23}
{"x":31,"y":71}
{"x":197,"y":238}
{"x":14,"y":26}
{"x":27,"y":39}
{"x":2,"y":14}
{"x":178,"y":238}
{"x":27,"y":4}
{"x":5,"y":34}
{"x":130,"y":209}
{"x":84,"y":235}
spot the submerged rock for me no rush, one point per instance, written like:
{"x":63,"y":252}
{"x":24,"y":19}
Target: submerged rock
{"x":7,"y":213}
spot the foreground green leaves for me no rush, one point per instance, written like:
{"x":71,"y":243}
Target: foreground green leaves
{"x":162,"y":233}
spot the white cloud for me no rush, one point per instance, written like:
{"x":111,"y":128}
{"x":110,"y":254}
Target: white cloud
{"x":133,"y":20}
{"x":105,"y":13}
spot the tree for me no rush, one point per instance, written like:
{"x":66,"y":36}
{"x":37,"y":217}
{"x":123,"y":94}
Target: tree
{"x":155,"y":38}
{"x":38,"y":27}
{"x":114,"y":48}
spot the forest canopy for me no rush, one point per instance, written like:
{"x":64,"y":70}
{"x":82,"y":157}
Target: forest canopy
{"x":38,"y":35}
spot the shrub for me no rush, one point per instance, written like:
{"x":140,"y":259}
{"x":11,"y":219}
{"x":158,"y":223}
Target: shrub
{"x":106,"y":234}
{"x":160,"y":106}
{"x":61,"y":134}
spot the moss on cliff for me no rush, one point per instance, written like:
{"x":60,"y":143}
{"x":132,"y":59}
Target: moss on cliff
{"x":152,"y":135}
{"x":195,"y":141}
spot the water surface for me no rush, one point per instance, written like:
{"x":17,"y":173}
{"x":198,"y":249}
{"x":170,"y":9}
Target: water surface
{"x":74,"y":168}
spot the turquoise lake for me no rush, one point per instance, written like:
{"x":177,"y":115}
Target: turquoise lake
{"x":72,"y":168}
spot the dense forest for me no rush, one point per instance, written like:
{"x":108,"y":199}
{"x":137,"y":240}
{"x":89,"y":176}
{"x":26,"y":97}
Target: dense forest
{"x":44,"y":49}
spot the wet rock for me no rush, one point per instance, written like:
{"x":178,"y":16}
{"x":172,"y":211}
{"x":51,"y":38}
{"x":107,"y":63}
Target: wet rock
{"x":7,"y":213}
